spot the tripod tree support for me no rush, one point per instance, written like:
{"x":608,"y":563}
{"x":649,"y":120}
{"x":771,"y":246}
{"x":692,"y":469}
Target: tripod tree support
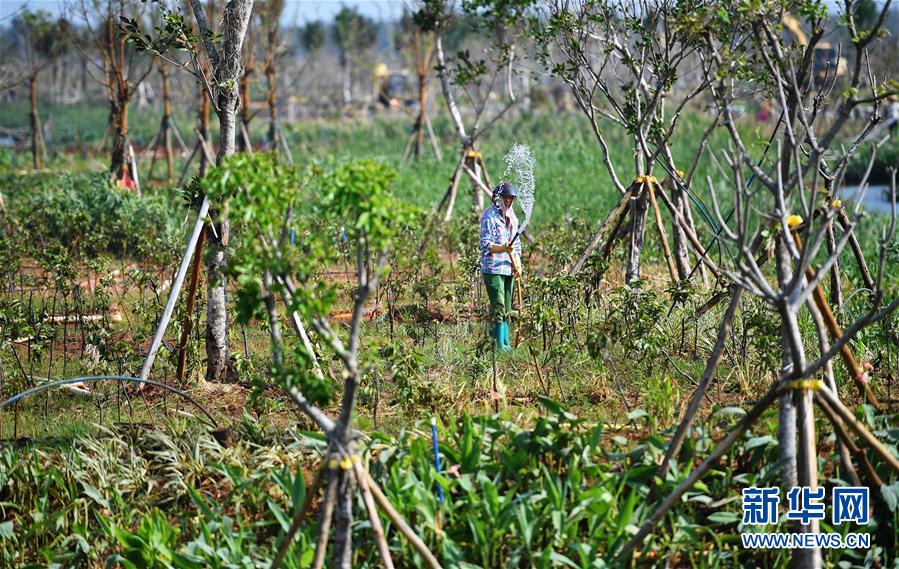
{"x":176,"y":288}
{"x":856,"y":371}
{"x":663,"y":235}
{"x":614,"y":218}
{"x":187,"y":323}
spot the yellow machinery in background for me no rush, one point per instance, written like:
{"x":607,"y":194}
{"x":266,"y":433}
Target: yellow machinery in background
{"x":827,"y":61}
{"x":393,"y":87}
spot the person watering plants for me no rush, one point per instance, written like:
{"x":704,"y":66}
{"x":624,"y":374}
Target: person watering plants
{"x":500,"y":259}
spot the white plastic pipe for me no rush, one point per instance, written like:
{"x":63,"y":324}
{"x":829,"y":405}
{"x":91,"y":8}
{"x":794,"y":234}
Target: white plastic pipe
{"x":176,"y":289}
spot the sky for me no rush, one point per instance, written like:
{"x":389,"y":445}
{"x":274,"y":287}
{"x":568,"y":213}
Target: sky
{"x":295,"y":11}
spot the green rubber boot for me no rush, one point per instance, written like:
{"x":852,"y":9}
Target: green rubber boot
{"x":496,"y":334}
{"x":503,"y":340}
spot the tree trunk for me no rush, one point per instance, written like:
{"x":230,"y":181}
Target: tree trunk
{"x":786,"y":427}
{"x":227,"y":69}
{"x":63,"y":82}
{"x":347,"y":82}
{"x":272,"y":80}
{"x":35,"y":125}
{"x":83,"y":80}
{"x":167,"y":123}
{"x":422,"y":114}
{"x":217,"y":352}
{"x":245,"y":100}
{"x":639,"y":209}
{"x":688,"y":210}
{"x":119,"y":136}
{"x":205,"y":105}
{"x":343,"y":517}
{"x":681,"y":255}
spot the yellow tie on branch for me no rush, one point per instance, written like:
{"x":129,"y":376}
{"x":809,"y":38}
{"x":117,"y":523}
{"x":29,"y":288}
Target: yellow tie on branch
{"x":644,"y":179}
{"x":801,"y":384}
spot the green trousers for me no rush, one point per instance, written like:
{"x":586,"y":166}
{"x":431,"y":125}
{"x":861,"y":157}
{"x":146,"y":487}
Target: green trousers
{"x":499,"y":291}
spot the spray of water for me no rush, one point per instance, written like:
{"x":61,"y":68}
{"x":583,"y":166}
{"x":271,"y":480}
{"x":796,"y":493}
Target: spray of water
{"x":520,"y":171}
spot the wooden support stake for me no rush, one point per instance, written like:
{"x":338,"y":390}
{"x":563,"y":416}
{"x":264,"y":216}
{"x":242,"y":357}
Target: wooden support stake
{"x":434,"y":145}
{"x":863,"y":433}
{"x":856,"y":371}
{"x":691,"y":236}
{"x":176,"y":288}
{"x":186,"y":324}
{"x":454,"y":182}
{"x":284,"y":144}
{"x":321,"y":546}
{"x":857,"y":251}
{"x":614,"y":217}
{"x":401,"y":524}
{"x":380,"y":539}
{"x":688,"y":217}
{"x":208,"y":151}
{"x":484,"y":170}
{"x":454,"y":188}
{"x":662,"y":234}
{"x":247,"y":143}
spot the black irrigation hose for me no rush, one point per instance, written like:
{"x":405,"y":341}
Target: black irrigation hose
{"x":715,"y":237}
{"x":95,"y":378}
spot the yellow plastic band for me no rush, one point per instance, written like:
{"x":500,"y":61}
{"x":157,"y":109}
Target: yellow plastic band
{"x":644,"y":179}
{"x":836,"y":203}
{"x":794,"y":221}
{"x":474,"y":154}
{"x":346,"y":463}
{"x":332,"y":464}
{"x":681,"y":174}
{"x":811,"y":384}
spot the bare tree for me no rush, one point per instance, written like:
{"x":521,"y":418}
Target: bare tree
{"x":417,"y":44}
{"x":120,"y":70}
{"x":222,"y":81}
{"x":479,"y":78}
{"x":624,"y":76}
{"x":42,"y":40}
{"x":249,"y":62}
{"x":270,"y":20}
{"x":787,"y":220}
{"x":226,"y":71}
{"x":355,"y":34}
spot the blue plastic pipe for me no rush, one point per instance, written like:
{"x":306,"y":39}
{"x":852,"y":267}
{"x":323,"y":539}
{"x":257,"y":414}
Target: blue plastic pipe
{"x":436,"y":456}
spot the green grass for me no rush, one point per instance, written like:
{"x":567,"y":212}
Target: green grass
{"x":571,"y":178}
{"x":85,"y":123}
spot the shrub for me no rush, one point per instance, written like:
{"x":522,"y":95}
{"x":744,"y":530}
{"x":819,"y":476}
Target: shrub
{"x":87,"y":215}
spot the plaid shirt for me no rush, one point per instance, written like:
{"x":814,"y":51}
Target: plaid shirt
{"x":495,"y":231}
